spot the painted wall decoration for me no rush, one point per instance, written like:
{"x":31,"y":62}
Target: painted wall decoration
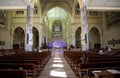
{"x":112,"y":18}
{"x":114,"y":42}
{"x":2,"y":17}
{"x":57,"y":29}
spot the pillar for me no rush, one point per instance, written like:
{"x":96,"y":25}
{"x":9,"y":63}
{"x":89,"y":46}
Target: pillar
{"x":84,"y":29}
{"x":40,"y":35}
{"x":104,"y":28}
{"x":73,"y":34}
{"x":29,"y":28}
{"x":10,"y":25}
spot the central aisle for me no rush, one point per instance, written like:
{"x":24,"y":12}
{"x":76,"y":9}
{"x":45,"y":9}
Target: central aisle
{"x":57,"y":67}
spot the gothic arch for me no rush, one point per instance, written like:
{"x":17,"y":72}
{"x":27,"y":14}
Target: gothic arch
{"x":21,"y":26}
{"x":18,"y":38}
{"x":35,"y":37}
{"x":78,"y":37}
{"x":49,"y":8}
{"x":37,"y":27}
{"x":75,"y":29}
{"x":91,"y":26}
{"x":94,"y":37}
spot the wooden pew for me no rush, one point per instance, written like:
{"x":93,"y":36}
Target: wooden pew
{"x":85,"y":66}
{"x":89,"y":71}
{"x":36,"y":62}
{"x":108,"y":73}
{"x":42,"y":56}
{"x":6,"y":73}
{"x":29,"y":67}
{"x":77,"y":61}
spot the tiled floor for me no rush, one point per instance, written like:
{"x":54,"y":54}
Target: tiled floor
{"x":57,"y":67}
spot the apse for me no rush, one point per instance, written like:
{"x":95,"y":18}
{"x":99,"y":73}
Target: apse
{"x":57,"y":43}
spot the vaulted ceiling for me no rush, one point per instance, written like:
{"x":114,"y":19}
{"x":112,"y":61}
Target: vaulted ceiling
{"x":103,"y":4}
{"x":69,"y":2}
{"x":92,"y":4}
{"x":13,"y":4}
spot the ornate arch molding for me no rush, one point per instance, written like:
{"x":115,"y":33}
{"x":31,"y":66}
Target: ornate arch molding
{"x":22,"y":26}
{"x":96,"y":26}
{"x":57,"y":5}
{"x":75,"y":29}
{"x":15,"y":27}
{"x":100,"y":31}
{"x":37,"y":27}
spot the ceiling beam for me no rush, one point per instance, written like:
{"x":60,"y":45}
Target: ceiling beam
{"x":104,"y":8}
{"x":12,"y":7}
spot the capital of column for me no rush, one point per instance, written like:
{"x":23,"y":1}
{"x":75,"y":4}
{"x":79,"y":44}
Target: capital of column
{"x":41,"y":23}
{"x":72,"y":24}
{"x":30,"y":2}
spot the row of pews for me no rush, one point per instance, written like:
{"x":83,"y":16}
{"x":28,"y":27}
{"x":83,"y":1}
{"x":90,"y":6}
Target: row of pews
{"x":23,"y":65}
{"x":95,"y":62}
{"x":4,"y":52}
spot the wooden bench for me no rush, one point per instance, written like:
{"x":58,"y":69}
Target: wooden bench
{"x":77,"y":61}
{"x":85,"y":66}
{"x":7,"y":73}
{"x":89,"y":71}
{"x":109,"y":73}
{"x":42,"y":56}
{"x":36,"y":62}
{"x":29,"y":67}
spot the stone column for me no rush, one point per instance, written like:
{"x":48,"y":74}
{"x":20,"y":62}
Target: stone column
{"x":104,"y":27}
{"x":29,"y":28}
{"x":84,"y":29}
{"x":73,"y":34}
{"x":10,"y":28}
{"x":40,"y":35}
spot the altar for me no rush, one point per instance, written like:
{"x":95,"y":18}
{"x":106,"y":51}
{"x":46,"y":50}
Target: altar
{"x":57,"y":46}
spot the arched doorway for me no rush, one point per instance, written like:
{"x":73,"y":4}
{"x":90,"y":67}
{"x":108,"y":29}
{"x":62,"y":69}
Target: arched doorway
{"x":18,"y":38}
{"x":94,"y":38}
{"x":78,"y":38}
{"x":35,"y":38}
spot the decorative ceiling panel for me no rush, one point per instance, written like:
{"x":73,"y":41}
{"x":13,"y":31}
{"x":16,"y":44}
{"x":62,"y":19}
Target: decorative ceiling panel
{"x":70,"y":2}
{"x":13,"y":4}
{"x":104,"y":4}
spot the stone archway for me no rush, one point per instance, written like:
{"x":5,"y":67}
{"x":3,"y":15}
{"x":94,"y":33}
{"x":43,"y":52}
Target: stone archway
{"x":78,"y":37}
{"x":35,"y":38}
{"x":94,"y":38}
{"x":18,"y":38}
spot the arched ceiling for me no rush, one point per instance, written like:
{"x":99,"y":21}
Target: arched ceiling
{"x":13,"y":4}
{"x":91,"y":4}
{"x":103,"y":4}
{"x":69,"y":2}
{"x":56,"y":14}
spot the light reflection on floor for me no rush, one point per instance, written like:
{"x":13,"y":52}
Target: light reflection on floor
{"x":57,"y":58}
{"x":58,"y":73}
{"x":57,"y":61}
{"x":57,"y":67}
